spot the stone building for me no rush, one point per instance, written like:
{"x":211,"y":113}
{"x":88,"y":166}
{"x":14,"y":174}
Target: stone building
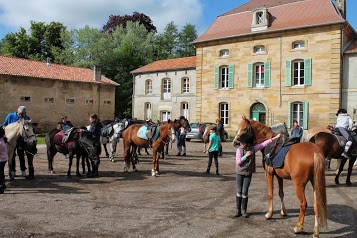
{"x":273,"y":61}
{"x":349,"y":93}
{"x":165,"y":89}
{"x":52,"y":90}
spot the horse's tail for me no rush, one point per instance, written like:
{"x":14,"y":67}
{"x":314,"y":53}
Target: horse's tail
{"x":320,"y":188}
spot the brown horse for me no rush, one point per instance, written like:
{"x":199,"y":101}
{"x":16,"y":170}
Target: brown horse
{"x":304,"y":162}
{"x":131,"y":141}
{"x":331,"y":148}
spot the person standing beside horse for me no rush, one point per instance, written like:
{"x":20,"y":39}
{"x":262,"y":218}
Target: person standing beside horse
{"x":181,"y":141}
{"x":213,"y":149}
{"x":3,"y":158}
{"x":220,"y":129}
{"x":344,"y":122}
{"x":296,"y":131}
{"x":245,"y":167}
{"x":95,"y":127}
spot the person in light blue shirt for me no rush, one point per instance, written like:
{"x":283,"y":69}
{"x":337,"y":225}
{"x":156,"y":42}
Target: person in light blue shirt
{"x":213,"y":149}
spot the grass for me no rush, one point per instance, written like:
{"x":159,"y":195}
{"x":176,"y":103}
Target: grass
{"x":41,"y":140}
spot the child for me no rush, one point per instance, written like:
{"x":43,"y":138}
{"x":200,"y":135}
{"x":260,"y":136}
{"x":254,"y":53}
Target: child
{"x":213,"y":148}
{"x":3,"y":158}
{"x":245,"y":166}
{"x":344,"y":121}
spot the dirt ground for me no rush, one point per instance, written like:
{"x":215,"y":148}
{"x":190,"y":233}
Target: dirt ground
{"x":182,"y":202}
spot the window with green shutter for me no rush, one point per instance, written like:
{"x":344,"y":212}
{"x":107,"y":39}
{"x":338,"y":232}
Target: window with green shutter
{"x":288,"y":73}
{"x":288,"y":124}
{"x":250,"y":75}
{"x":298,"y":111}
{"x":306,"y":115}
{"x":216,"y":77}
{"x":231,"y":76}
{"x":267,"y":74}
{"x":307,"y":70}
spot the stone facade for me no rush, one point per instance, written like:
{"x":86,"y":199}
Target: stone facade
{"x":349,"y":94}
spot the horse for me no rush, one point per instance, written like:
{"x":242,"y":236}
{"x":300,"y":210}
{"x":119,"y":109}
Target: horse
{"x":304,"y":162}
{"x":113,"y":137}
{"x":131,"y":141}
{"x":331,"y":148}
{"x":15,"y":130}
{"x":280,"y":128}
{"x":79,"y":143}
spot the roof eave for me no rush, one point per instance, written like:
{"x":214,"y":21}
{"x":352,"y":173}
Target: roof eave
{"x":163,"y":70}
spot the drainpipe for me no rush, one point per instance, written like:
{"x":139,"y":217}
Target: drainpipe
{"x":97,"y":75}
{"x":133,"y":98}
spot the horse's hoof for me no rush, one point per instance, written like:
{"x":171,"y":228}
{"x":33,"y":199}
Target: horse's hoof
{"x":283,"y":213}
{"x":268,"y":216}
{"x":336,"y":181}
{"x":135,"y":170}
{"x":298,"y":230}
{"x":348,"y":183}
{"x":69,"y":176}
{"x":52,"y":172}
{"x":78,"y":174}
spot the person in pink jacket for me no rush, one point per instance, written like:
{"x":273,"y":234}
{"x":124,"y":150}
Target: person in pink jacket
{"x":3,"y":158}
{"x":245,"y":167}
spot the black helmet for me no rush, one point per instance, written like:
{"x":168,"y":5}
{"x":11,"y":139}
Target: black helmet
{"x":341,"y":111}
{"x":246,"y":138}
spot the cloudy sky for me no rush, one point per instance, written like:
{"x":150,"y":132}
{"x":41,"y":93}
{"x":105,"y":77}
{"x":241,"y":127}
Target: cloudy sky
{"x":95,"y":13}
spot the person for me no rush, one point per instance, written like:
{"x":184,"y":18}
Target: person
{"x":66,"y":125}
{"x":95,"y":127}
{"x":343,"y":123}
{"x":220,"y":129}
{"x":11,"y":118}
{"x":3,"y":158}
{"x":213,"y":148}
{"x":296,"y":131}
{"x":245,"y":167}
{"x":181,"y":141}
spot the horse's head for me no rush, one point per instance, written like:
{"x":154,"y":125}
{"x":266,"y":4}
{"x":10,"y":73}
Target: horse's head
{"x":167,"y":131}
{"x":27,"y":131}
{"x":243,"y":127}
{"x":119,"y":128}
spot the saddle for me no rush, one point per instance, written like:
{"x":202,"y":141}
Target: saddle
{"x":66,"y":135}
{"x":148,"y":133}
{"x":341,"y":140}
{"x":107,"y":131}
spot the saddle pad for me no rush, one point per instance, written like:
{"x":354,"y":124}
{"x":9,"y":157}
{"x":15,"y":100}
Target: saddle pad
{"x":142,"y":133}
{"x":57,"y":139}
{"x":278,"y":159}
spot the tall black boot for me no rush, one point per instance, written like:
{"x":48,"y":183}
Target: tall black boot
{"x":239,"y":204}
{"x":31,"y":174}
{"x":244,"y":207}
{"x":217,"y":173}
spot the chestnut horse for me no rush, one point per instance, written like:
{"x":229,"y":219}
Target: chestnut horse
{"x":131,"y":141}
{"x":304,"y":162}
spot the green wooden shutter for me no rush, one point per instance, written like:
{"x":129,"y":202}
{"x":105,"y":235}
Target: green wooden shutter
{"x":231,"y":76}
{"x":306,"y":115}
{"x":307,"y":69}
{"x":216,"y":77}
{"x":250,"y":75}
{"x":288,"y":123}
{"x":288,"y":73}
{"x":267,"y":74}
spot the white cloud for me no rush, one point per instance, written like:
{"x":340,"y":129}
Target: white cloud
{"x":95,"y":13}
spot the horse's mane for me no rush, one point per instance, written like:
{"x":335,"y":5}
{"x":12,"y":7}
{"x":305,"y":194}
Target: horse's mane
{"x":261,"y":128}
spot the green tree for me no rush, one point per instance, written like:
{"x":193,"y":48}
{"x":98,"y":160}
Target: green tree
{"x":187,"y":35}
{"x":166,"y":42}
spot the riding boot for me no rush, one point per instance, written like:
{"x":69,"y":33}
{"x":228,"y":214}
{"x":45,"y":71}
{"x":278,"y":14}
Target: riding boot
{"x":31,"y":173}
{"x":207,"y":171}
{"x":244,"y":207}
{"x":239,"y":204}
{"x":347,"y":147}
{"x":217,"y":173}
{"x":1,"y":189}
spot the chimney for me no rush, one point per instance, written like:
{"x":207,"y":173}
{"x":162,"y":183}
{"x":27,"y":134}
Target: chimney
{"x":97,"y":73}
{"x":341,"y":5}
{"x":48,"y":61}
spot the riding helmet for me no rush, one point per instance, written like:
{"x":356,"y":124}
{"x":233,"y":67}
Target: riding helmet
{"x":246,"y":138}
{"x":341,"y":111}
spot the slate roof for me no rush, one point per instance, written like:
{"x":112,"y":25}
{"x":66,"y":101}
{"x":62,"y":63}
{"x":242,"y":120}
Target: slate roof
{"x":168,"y":65}
{"x":38,"y":69}
{"x":284,"y":15}
{"x":352,"y":48}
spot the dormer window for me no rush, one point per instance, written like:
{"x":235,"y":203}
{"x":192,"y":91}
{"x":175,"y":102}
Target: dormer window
{"x":260,"y":19}
{"x":298,"y":45}
{"x":224,"y":53}
{"x":259,"y":48}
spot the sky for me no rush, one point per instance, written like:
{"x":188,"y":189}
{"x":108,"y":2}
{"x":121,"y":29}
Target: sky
{"x":95,"y":13}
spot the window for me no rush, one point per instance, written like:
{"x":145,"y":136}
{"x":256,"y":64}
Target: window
{"x":223,"y":53}
{"x":223,"y":77}
{"x":166,"y":89}
{"x":165,"y":115}
{"x":70,"y":100}
{"x":185,"y":85}
{"x":107,"y":102}
{"x":259,"y":75}
{"x":223,"y":112}
{"x":259,"y":48}
{"x":298,"y":111}
{"x":147,"y":110}
{"x":89,"y":101}
{"x":25,"y":99}
{"x":148,"y":86}
{"x":49,"y":100}
{"x":298,"y":72}
{"x":260,"y":18}
{"x":298,"y":45}
{"x":184,"y":110}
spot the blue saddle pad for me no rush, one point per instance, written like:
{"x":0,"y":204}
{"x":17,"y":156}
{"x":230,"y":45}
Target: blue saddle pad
{"x":142,"y":133}
{"x":278,"y":160}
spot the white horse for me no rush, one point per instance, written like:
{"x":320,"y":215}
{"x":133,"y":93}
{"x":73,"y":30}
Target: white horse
{"x":15,"y":130}
{"x":114,"y":139}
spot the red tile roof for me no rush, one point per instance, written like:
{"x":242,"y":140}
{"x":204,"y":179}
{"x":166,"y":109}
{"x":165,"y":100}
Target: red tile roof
{"x":284,"y":15}
{"x":352,"y":48}
{"x":168,"y":65}
{"x":38,"y":69}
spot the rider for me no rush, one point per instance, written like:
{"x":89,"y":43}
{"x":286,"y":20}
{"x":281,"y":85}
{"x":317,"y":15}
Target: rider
{"x":95,"y":126}
{"x":11,"y":118}
{"x":66,"y":124}
{"x":344,"y":123}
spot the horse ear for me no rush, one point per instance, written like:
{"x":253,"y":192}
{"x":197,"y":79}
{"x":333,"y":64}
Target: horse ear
{"x":169,"y":121}
{"x":244,"y":118}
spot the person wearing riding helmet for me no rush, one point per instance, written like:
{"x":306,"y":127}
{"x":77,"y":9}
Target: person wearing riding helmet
{"x":11,"y":118}
{"x":245,"y":167}
{"x":343,"y":123}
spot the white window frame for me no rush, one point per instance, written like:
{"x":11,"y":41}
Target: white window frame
{"x":224,"y":76}
{"x":185,"y":85}
{"x":224,"y":112}
{"x":259,"y":77}
{"x":298,"y":45}
{"x":259,"y":48}
{"x":165,"y":115}
{"x":224,"y":53}
{"x":297,"y":111}
{"x":148,"y":86}
{"x":260,"y":18}
{"x":166,"y":89}
{"x":185,"y":110}
{"x":298,"y":67}
{"x":147,"y":110}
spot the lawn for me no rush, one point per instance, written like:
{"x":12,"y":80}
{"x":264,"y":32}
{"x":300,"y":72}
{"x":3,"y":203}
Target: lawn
{"x":41,"y":140}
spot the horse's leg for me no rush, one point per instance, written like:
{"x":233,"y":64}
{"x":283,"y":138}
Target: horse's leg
{"x":113,"y":148}
{"x":154,"y":155}
{"x":106,"y":150}
{"x":127,"y":153}
{"x":300,"y":193}
{"x":134,"y":158}
{"x":338,"y":164}
{"x":11,"y":151}
{"x":77,"y":165}
{"x":349,"y":172}
{"x":70,"y":160}
{"x":89,"y":170}
{"x":340,"y":169}
{"x":83,"y":164}
{"x":269,"y":177}
{"x":281,"y":195}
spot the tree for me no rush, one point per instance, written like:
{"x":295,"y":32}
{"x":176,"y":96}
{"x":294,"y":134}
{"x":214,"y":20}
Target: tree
{"x":116,"y":21}
{"x":166,"y":42}
{"x":185,"y":37}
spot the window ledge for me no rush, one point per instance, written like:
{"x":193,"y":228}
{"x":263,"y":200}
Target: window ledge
{"x":299,"y":49}
{"x":224,"y":89}
{"x":259,"y":88}
{"x":260,"y":53}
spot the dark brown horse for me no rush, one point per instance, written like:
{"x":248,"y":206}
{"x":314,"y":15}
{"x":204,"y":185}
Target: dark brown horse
{"x":131,"y":141}
{"x":304,"y":162}
{"x":332,"y":149}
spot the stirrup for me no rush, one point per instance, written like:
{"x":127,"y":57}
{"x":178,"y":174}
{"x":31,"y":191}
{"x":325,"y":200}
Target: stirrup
{"x":344,"y":154}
